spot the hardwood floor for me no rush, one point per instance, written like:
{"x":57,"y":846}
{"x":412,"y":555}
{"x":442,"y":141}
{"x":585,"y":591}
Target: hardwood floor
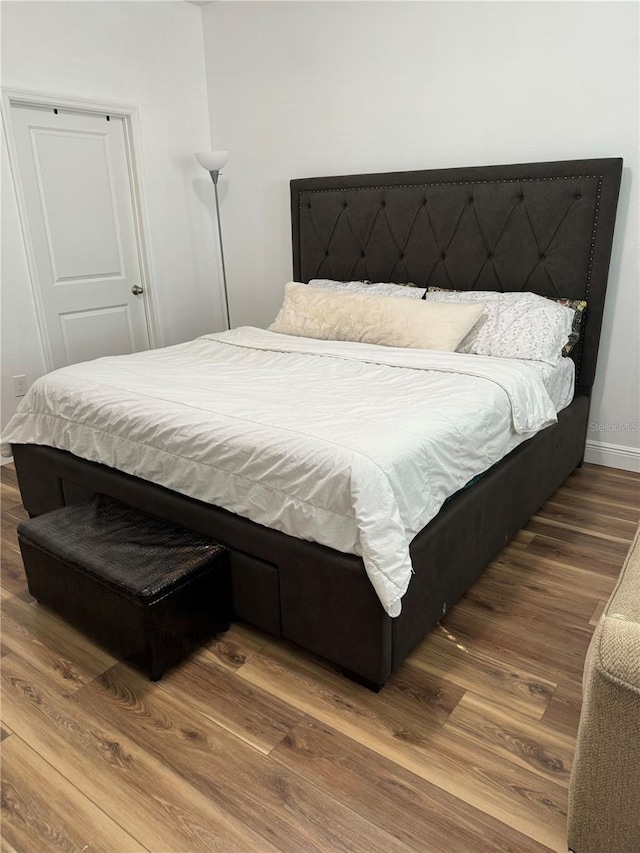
{"x":255,"y":745}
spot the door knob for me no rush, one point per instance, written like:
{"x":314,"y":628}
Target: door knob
{"x":137,"y":290}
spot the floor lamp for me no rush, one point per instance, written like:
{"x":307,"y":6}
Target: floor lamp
{"x":214,"y":162}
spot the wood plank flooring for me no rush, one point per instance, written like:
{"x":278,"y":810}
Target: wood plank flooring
{"x":254,"y":746}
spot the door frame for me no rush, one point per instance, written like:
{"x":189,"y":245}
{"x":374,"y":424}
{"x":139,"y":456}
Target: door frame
{"x":129,"y":114}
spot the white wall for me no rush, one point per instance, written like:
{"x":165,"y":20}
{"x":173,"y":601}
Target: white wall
{"x":145,"y":54}
{"x":303,"y":88}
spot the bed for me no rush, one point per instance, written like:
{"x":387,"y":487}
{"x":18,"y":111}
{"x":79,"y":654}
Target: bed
{"x":545,"y":228}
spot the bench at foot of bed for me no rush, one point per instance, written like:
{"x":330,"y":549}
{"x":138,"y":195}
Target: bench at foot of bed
{"x":149,"y":590}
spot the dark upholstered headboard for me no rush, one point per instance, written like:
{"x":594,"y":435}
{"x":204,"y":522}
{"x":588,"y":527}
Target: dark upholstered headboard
{"x":542,"y":227}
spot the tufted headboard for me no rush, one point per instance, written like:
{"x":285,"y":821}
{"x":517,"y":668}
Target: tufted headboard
{"x":542,"y":227}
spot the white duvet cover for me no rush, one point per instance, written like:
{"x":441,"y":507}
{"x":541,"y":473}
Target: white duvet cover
{"x":355,"y":446}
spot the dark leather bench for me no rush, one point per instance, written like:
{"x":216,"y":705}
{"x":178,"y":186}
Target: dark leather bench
{"x":147,"y":589}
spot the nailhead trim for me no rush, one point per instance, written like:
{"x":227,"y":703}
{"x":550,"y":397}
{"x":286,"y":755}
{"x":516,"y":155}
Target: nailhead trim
{"x":453,"y":183}
{"x":590,"y":265}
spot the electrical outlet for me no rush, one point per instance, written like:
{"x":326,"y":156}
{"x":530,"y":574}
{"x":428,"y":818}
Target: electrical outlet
{"x":20,"y":385}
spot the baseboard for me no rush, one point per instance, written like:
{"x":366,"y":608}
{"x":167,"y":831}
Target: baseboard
{"x":613,"y":455}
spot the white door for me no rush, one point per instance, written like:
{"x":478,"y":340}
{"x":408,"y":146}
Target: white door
{"x":74,"y":170}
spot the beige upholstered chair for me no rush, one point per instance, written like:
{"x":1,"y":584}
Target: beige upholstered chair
{"x":604,"y":791}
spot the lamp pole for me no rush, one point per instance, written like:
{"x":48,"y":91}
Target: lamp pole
{"x":214,"y":177}
{"x":213,"y":161}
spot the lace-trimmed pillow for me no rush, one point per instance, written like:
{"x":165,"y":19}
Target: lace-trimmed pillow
{"x":514,"y":325}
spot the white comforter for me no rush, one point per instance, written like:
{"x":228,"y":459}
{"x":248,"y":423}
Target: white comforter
{"x":355,"y":446}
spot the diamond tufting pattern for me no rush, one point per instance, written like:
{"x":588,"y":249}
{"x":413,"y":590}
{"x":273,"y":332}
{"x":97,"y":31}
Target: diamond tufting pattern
{"x":492,"y":235}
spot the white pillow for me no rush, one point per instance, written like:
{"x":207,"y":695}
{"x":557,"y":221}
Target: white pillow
{"x":382,"y":287}
{"x":312,"y":312}
{"x":514,"y":325}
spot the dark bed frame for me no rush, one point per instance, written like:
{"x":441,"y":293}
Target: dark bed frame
{"x":543,"y":227}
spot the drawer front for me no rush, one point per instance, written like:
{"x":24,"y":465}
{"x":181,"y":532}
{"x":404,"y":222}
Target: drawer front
{"x":256,"y":592}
